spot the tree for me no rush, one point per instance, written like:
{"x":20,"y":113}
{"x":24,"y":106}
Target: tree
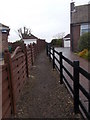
{"x":59,"y":35}
{"x":24,"y":31}
{"x":56,"y":42}
{"x":84,"y":42}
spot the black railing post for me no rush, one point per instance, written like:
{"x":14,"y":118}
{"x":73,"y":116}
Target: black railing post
{"x":50,"y":53}
{"x":89,"y":90}
{"x":47,"y":49}
{"x":89,"y":106}
{"x":53,"y":58}
{"x":89,"y":93}
{"x":76,"y":86}
{"x":61,"y":69}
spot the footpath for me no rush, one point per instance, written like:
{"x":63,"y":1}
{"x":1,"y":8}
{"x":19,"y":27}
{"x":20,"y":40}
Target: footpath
{"x":43,"y":96}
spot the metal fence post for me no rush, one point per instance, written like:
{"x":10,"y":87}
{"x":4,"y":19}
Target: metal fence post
{"x":61,"y":70}
{"x":76,"y":86}
{"x":53,"y":58}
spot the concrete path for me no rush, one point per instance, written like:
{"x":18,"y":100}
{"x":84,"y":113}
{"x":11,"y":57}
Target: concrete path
{"x":43,"y":96}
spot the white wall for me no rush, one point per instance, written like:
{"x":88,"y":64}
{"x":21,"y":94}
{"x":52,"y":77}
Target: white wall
{"x":66,"y":42}
{"x":28,"y":41}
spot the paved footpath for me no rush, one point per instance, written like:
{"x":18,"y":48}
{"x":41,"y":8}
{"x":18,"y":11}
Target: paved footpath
{"x":43,"y":96}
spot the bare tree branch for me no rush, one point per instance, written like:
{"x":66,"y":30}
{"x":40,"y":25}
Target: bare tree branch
{"x":24,"y":31}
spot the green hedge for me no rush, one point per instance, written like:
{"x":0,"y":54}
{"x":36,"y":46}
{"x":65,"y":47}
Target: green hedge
{"x":56,"y":42}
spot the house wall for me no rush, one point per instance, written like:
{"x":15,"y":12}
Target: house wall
{"x":28,"y":41}
{"x":0,"y":42}
{"x":80,"y":14}
{"x":75,"y":36}
{"x":66,"y":42}
{"x":4,"y":41}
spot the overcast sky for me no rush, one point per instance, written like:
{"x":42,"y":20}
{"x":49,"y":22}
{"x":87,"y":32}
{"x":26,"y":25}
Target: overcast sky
{"x":45,"y":18}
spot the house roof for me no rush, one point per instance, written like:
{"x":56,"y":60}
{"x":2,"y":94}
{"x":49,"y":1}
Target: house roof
{"x":67,"y":36}
{"x":29,"y":36}
{"x":2,"y":26}
{"x":81,"y":14}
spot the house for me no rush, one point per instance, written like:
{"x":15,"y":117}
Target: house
{"x":29,"y":39}
{"x":66,"y":41}
{"x":4,"y":32}
{"x":79,"y":24}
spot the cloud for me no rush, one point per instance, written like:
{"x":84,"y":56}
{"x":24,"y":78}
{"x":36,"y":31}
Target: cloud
{"x":44,"y":17}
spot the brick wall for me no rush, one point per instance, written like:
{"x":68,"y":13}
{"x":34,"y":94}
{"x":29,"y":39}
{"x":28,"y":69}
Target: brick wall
{"x":4,"y":41}
{"x":81,"y":14}
{"x":0,"y":42}
{"x":75,"y":36}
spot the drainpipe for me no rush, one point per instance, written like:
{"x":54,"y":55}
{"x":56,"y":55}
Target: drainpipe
{"x":72,"y":9}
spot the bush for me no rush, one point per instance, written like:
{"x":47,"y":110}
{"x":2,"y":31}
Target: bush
{"x":89,"y":55}
{"x":85,"y":54}
{"x":84,"y":42}
{"x":57,"y":42}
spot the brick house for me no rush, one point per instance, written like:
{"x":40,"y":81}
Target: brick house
{"x":4,"y":32}
{"x":80,"y":23}
{"x":29,"y":39}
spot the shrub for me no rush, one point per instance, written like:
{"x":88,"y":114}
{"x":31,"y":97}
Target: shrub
{"x":57,"y":42}
{"x":88,"y":55}
{"x":83,"y":53}
{"x":84,"y":42}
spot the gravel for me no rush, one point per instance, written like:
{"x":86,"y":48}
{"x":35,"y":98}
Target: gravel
{"x":43,"y":96}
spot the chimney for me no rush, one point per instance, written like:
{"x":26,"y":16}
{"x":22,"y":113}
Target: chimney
{"x":72,"y":10}
{"x":72,"y":6}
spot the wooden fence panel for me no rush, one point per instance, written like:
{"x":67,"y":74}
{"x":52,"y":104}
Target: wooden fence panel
{"x":29,"y":58}
{"x":19,"y":71}
{"x":33,"y":53}
{"x":14,"y":74}
{"x":6,"y":93}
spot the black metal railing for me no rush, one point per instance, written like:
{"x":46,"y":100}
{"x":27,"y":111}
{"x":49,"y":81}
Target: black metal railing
{"x":56,"y":56}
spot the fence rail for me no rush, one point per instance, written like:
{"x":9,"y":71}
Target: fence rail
{"x":56,"y":56}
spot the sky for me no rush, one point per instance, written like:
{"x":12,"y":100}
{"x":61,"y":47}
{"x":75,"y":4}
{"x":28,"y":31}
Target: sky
{"x":45,"y":18}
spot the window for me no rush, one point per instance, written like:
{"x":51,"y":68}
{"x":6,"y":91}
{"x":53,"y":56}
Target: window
{"x":84,"y":28}
{"x":4,"y":31}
